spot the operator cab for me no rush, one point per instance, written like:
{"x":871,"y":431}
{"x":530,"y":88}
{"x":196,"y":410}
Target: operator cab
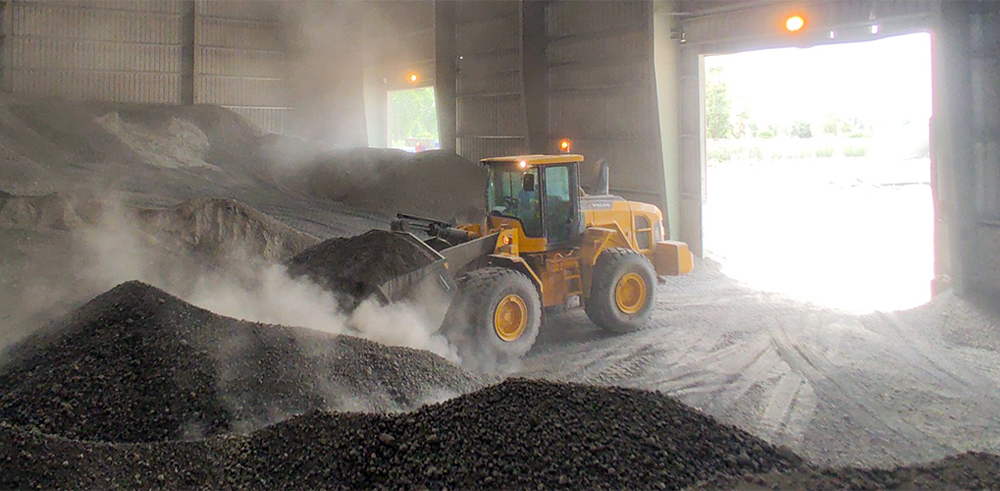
{"x":540,"y":192}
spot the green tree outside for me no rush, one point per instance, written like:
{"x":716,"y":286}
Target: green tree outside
{"x":414,"y":115}
{"x":718,"y":106}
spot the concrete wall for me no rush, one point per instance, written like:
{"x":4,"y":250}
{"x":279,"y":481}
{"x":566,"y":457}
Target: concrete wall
{"x":967,"y":137}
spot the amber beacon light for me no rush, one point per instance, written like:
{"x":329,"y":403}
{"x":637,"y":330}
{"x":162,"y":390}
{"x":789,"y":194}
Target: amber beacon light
{"x":795,"y":23}
{"x":564,"y":146}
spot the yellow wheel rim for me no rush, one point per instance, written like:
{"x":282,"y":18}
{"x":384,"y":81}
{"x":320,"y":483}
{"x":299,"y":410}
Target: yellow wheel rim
{"x":630,"y":294}
{"x":510,"y":318}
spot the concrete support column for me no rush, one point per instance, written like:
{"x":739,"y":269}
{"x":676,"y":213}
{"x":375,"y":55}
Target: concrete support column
{"x":952,"y":170}
{"x":692,"y":144}
{"x":666,"y":66}
{"x":445,"y":72}
{"x":534,"y":76}
{"x":189,"y":32}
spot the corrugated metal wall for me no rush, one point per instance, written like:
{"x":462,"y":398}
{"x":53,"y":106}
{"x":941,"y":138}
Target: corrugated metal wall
{"x":598,"y":86}
{"x":490,"y":112}
{"x":138,"y":51}
{"x":601,"y":90}
{"x":122,"y":51}
{"x":241,"y":61}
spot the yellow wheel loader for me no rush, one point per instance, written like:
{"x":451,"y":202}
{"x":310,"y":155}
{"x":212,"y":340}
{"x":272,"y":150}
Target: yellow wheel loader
{"x":543,"y":246}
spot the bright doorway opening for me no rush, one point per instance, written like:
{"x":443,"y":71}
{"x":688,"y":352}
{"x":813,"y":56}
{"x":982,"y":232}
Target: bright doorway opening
{"x":413,"y":119}
{"x":818,"y":172}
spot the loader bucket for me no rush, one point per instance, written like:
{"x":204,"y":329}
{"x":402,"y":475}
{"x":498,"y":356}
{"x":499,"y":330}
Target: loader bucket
{"x":423,"y":280}
{"x":392,"y":267}
{"x":433,"y":286}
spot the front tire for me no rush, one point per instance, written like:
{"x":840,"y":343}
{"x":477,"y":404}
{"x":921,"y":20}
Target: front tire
{"x":622,"y":291}
{"x":497,"y":318}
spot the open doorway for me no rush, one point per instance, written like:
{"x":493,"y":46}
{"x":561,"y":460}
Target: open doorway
{"x":413,"y":119}
{"x":818,"y":173}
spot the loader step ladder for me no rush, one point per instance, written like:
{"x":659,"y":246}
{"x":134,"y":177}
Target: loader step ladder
{"x":571,"y":277}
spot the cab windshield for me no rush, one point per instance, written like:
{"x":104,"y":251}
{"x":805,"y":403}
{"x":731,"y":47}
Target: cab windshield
{"x":507,"y":197}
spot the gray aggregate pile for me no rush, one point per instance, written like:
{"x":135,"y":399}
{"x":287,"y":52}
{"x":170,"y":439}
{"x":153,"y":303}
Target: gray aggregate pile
{"x":216,"y":227}
{"x":354,"y":266}
{"x":139,"y":365}
{"x":436,"y":184}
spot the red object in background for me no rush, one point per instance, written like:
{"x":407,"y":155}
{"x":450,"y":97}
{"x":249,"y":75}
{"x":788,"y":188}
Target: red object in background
{"x":419,"y":147}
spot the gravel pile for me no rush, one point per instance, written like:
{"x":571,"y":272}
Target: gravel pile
{"x":215,"y":227}
{"x":435,"y":184}
{"x":168,"y":151}
{"x":49,"y":211}
{"x":519,"y":434}
{"x":354,"y":266}
{"x":139,"y":365}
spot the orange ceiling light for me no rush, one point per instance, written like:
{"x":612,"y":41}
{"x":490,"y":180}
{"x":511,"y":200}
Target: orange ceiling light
{"x":795,"y":23}
{"x":413,"y":78}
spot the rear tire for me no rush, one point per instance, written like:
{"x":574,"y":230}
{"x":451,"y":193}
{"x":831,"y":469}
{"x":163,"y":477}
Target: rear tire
{"x":622,"y":292}
{"x":495,"y":318}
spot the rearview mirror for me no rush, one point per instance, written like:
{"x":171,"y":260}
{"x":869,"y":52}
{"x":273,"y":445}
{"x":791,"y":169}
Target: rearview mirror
{"x":528,"y":182}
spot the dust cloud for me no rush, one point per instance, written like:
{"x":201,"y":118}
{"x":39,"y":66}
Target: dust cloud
{"x":241,"y":285}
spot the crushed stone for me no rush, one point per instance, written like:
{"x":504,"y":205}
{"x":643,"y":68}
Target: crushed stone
{"x":139,"y":365}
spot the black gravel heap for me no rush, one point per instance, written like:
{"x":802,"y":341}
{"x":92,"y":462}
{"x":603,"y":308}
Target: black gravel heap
{"x":519,"y":434}
{"x":139,"y":365}
{"x":354,"y":266}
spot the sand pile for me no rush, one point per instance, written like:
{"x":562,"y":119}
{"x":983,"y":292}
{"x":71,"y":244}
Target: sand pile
{"x":355,"y":266}
{"x":434,"y":184}
{"x":139,"y":365}
{"x":215,"y":227}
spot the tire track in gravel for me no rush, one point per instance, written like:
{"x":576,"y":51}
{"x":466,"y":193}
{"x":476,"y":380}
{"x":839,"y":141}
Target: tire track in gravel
{"x":844,"y":393}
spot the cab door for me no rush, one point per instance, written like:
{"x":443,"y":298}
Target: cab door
{"x":561,"y":207}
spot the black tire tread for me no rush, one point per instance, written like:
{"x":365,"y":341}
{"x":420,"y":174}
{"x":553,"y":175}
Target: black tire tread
{"x":603,"y":313}
{"x":474,"y":288}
